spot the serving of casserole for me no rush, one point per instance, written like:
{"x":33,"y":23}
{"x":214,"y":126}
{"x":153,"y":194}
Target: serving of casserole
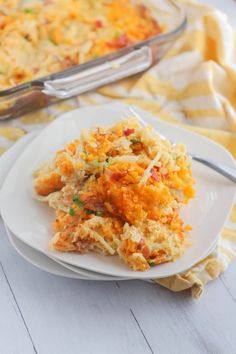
{"x":119,"y":190}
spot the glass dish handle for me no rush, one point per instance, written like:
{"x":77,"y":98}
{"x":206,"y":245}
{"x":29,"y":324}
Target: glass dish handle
{"x":103,"y":74}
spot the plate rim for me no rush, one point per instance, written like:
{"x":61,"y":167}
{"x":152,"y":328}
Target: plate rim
{"x":10,"y":236}
{"x":152,"y":117}
{"x":60,"y":264}
{"x":76,"y":275}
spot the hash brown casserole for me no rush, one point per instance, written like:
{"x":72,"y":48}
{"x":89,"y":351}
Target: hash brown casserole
{"x":119,"y":190}
{"x":42,"y":37}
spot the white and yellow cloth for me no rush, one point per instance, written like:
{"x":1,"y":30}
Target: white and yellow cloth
{"x":193,"y":86}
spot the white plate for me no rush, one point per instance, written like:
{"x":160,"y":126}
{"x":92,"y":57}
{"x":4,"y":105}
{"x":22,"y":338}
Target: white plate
{"x":30,"y":220}
{"x":6,"y":162}
{"x":87,"y":273}
{"x":11,"y":155}
{"x":39,"y":260}
{"x":49,"y":265}
{"x":43,"y":262}
{"x":35,"y":257}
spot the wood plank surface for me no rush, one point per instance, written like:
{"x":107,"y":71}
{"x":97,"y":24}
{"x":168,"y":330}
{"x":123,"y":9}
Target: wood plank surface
{"x":67,"y":316}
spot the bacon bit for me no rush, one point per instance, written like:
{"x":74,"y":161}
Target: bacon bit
{"x":142,"y":10}
{"x":129,"y":247}
{"x":155,"y":175}
{"x":166,"y":176}
{"x":146,"y":251}
{"x":48,"y":2}
{"x":123,"y":41}
{"x":128,"y":131}
{"x":83,"y":245}
{"x":118,"y":175}
{"x":90,"y":201}
{"x":120,"y":42}
{"x":156,"y":26}
{"x":160,"y":257}
{"x":35,"y":70}
{"x":98,"y":24}
{"x":19,"y":76}
{"x":137,"y":148}
{"x":113,"y":153}
{"x":139,"y":247}
{"x":68,"y":61}
{"x":142,"y":248}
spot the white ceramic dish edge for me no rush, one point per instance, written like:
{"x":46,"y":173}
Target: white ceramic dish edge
{"x":123,"y":107}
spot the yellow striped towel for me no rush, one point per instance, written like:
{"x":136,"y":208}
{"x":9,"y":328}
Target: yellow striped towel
{"x":193,"y":86}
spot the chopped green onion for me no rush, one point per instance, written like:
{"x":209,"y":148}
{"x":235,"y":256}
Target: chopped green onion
{"x":117,"y":34}
{"x":95,"y":212}
{"x":28,"y":11}
{"x":96,"y":163}
{"x":78,"y":201}
{"x":107,"y":163}
{"x":135,"y":140}
{"x":85,"y":153}
{"x":71,"y":212}
{"x":151,"y":263}
{"x":89,"y":212}
{"x":102,"y":164}
{"x":52,"y":41}
{"x":98,"y":213}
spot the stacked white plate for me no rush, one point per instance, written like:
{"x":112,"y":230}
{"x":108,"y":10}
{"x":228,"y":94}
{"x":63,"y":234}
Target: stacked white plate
{"x":28,"y":222}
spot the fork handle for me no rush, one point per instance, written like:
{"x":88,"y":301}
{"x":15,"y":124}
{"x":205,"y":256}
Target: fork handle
{"x":229,"y":173}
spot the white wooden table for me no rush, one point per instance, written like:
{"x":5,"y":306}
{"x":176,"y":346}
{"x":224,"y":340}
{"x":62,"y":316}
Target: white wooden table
{"x":46,"y":314}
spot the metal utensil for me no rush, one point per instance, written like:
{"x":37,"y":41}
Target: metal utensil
{"x":227,"y":172}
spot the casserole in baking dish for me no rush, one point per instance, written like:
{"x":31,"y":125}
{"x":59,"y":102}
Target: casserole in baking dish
{"x":57,"y":48}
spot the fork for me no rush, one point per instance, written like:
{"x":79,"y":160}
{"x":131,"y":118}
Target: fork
{"x":227,"y":172}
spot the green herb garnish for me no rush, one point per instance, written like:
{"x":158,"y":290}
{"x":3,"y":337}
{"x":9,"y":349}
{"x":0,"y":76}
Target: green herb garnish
{"x":28,"y":11}
{"x":52,"y":41}
{"x":78,"y":201}
{"x":117,"y":34}
{"x":71,"y":211}
{"x":95,"y":212}
{"x":135,"y":140}
{"x":98,"y":213}
{"x":102,"y":164}
{"x":107,"y":163}
{"x":151,"y":263}
{"x":85,"y":153}
{"x":96,"y":163}
{"x":89,"y":212}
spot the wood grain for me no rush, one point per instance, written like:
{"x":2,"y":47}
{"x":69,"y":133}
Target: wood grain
{"x":66,"y":316}
{"x":13,"y":331}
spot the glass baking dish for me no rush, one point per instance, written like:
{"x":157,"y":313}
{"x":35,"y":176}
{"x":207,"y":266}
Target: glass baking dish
{"x":78,"y":79}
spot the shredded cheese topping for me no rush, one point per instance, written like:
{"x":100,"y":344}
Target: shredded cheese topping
{"x":147,"y":172}
{"x":38,"y":38}
{"x":108,"y":196}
